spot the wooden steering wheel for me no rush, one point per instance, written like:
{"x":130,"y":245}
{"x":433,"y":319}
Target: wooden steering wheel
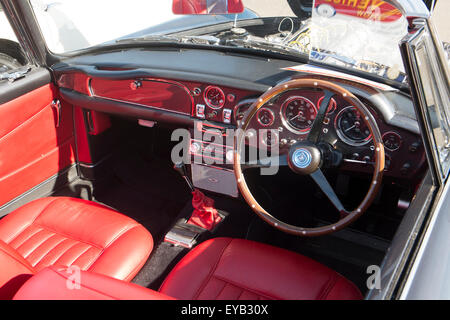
{"x":306,"y":158}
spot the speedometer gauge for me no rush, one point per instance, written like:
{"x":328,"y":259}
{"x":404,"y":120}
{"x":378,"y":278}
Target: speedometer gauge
{"x":214,"y":97}
{"x":351,"y":128}
{"x":299,"y":113}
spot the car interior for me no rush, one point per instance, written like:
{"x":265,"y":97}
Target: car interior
{"x":87,"y":177}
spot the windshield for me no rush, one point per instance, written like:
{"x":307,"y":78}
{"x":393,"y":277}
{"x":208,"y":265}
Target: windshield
{"x":360,"y":34}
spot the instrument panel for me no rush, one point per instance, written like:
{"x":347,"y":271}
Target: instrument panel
{"x":292,"y":114}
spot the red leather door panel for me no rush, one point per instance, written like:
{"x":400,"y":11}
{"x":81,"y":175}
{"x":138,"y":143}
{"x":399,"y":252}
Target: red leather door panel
{"x":32,"y":147}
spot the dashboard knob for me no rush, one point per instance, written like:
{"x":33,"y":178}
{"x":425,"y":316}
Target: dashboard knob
{"x":414,"y":146}
{"x":197,"y":91}
{"x":135,"y":85}
{"x":405,"y":168}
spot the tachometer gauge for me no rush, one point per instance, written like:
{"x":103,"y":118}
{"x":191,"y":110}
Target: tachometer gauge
{"x":214,"y":97}
{"x":351,"y":128}
{"x":299,"y":113}
{"x":265,"y":117}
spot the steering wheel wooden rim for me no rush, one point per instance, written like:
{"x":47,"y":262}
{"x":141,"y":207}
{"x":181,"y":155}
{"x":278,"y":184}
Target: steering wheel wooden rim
{"x":347,"y":217}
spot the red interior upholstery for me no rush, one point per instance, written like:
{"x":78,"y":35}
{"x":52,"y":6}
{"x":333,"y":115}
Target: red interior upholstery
{"x":32,"y":147}
{"x":15,"y":270}
{"x":67,"y":231}
{"x":225,"y":268}
{"x":52,"y":284}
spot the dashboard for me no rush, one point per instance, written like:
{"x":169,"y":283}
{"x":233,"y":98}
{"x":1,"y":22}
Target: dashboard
{"x":292,"y":114}
{"x":159,"y":87}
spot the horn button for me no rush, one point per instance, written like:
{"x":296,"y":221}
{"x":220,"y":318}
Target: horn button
{"x":304,"y":158}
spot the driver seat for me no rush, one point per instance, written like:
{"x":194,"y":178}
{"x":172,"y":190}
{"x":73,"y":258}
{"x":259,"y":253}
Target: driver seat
{"x":237,"y":269}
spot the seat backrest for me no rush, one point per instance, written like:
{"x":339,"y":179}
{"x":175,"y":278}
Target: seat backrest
{"x":61,"y":283}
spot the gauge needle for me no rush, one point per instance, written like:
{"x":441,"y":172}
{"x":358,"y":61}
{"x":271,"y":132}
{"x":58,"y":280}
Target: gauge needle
{"x":348,"y":129}
{"x":295,"y":117}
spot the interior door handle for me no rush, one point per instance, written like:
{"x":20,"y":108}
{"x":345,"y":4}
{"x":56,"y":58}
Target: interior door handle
{"x":56,"y":104}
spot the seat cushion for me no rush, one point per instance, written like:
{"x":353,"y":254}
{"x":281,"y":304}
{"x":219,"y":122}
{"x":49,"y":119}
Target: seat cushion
{"x":74,"y":232}
{"x":234,"y":269}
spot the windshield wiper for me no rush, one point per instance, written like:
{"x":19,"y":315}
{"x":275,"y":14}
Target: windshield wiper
{"x":206,"y":40}
{"x":263,"y":44}
{"x":150,"y":38}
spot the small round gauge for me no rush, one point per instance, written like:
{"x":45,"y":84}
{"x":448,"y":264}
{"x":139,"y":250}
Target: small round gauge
{"x":265,"y":117}
{"x":392,"y":141}
{"x":214,"y":97}
{"x":299,"y":113}
{"x":351,"y":128}
{"x":331,"y":107}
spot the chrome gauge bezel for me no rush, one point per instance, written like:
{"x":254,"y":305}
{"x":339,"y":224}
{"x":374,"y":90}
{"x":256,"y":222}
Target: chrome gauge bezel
{"x":396,"y":134}
{"x":286,"y":122}
{"x":205,"y":94}
{"x":342,"y":136}
{"x":332,"y":101}
{"x":271,"y":114}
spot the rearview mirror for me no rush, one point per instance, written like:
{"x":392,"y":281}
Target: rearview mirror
{"x":207,"y":6}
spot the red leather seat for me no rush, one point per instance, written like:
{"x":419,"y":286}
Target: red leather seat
{"x":232,"y":269}
{"x":51,"y":284}
{"x":70,"y":232}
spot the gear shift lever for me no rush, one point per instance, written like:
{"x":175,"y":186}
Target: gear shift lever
{"x":181,"y":169}
{"x":204,"y":215}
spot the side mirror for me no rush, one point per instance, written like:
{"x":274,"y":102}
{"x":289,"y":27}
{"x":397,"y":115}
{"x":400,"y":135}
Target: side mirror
{"x":207,"y":6}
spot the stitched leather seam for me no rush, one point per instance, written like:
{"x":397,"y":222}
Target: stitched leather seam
{"x":221,"y":290}
{"x":37,"y":231}
{"x":121,"y":233}
{"x":69,"y":237}
{"x":240,"y":295}
{"x":40,"y":244}
{"x":76,"y":258}
{"x":240,"y":286}
{"x":39,"y":158}
{"x":57,"y":244}
{"x":31,"y":222}
{"x":328,"y":286}
{"x":63,"y":253}
{"x":15,"y":259}
{"x":25,"y":122}
{"x":211,"y":272}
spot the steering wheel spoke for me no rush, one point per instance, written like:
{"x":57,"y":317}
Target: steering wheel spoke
{"x":275,"y":160}
{"x":320,"y":179}
{"x":314,"y":133}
